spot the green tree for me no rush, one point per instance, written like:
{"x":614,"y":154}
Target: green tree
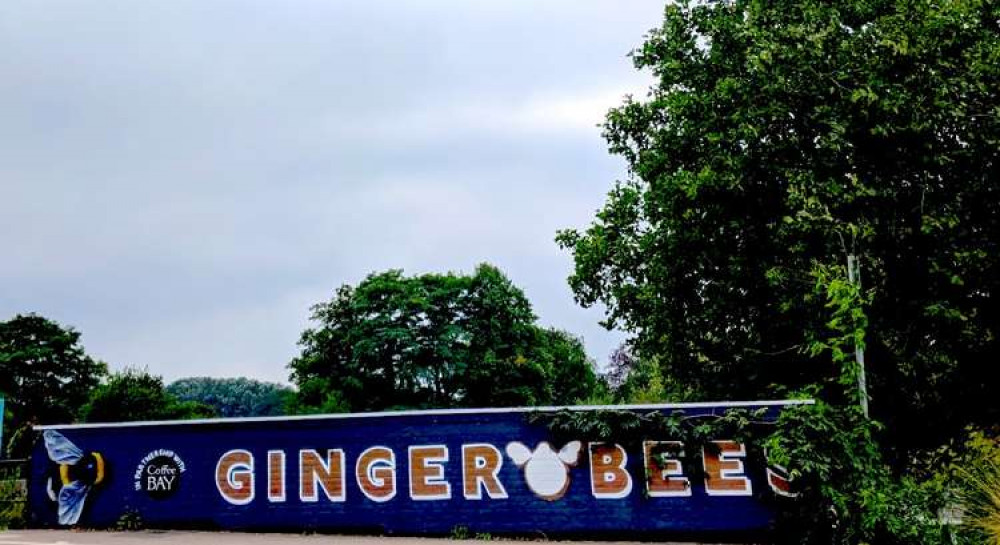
{"x":233,"y":397}
{"x":434,"y":340}
{"x":135,"y":395}
{"x":44,"y":372}
{"x":779,"y":138}
{"x":570,"y":373}
{"x":632,"y":380}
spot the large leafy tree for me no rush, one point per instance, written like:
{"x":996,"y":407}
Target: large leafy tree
{"x":232,"y":397}
{"x":44,"y":372}
{"x":780,"y":138}
{"x":134,"y":395}
{"x":435,"y":340}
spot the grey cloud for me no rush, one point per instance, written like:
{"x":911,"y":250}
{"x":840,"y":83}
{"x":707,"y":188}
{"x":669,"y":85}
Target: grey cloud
{"x":181,"y":180}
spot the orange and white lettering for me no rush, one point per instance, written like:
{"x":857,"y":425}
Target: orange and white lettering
{"x":427,"y":474}
{"x":276,"y":475}
{"x":234,"y":476}
{"x":777,"y":479}
{"x":480,"y":466}
{"x":376,"y":473}
{"x":329,"y":474}
{"x":665,"y":476}
{"x":608,"y":478}
{"x":724,"y":474}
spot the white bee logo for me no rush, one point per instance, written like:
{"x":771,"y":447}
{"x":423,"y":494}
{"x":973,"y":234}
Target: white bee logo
{"x":545,"y":471}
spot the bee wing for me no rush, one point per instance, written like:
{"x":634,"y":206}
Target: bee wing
{"x":61,"y":450}
{"x":71,"y":499}
{"x":50,"y":491}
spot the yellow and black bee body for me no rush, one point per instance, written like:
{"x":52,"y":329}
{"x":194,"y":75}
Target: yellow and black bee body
{"x":72,"y":476}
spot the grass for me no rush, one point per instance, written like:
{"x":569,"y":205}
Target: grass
{"x":981,"y":500}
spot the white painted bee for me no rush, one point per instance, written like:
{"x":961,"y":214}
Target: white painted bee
{"x":545,"y":471}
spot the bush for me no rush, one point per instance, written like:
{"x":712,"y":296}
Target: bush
{"x":976,"y":474}
{"x":981,"y":502}
{"x":13,"y":498}
{"x":129,"y":521}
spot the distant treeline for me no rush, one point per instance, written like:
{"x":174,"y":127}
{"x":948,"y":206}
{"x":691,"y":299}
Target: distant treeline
{"x":390,"y":342}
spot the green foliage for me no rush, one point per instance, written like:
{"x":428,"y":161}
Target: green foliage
{"x":980,"y":499}
{"x":44,"y":373}
{"x":460,"y":532}
{"x":967,"y":471}
{"x":233,"y":397}
{"x":634,"y":380}
{"x":846,"y":306}
{"x":129,"y":521}
{"x":435,"y":340}
{"x":189,"y":410}
{"x":949,"y":461}
{"x":13,"y":498}
{"x":567,"y":372}
{"x":317,"y":395}
{"x":135,"y":395}
{"x":847,"y":493}
{"x":628,"y":427}
{"x":779,"y":138}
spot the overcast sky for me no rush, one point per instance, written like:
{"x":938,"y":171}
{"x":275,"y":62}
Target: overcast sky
{"x":181,"y":180}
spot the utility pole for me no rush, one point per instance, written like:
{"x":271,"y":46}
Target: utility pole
{"x":854,"y":277}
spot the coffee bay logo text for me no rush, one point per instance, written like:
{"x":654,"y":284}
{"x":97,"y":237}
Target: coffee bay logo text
{"x":158,"y":474}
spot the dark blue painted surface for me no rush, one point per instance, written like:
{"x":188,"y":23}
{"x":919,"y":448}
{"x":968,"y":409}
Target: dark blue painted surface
{"x":198,"y":501}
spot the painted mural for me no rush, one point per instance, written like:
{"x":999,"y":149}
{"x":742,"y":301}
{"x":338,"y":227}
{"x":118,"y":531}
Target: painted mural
{"x":413,"y":472}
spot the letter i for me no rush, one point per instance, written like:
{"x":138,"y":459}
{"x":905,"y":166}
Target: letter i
{"x":276,"y":476}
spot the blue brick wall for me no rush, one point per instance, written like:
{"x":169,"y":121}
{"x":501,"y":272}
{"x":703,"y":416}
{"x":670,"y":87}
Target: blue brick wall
{"x":197,"y":500}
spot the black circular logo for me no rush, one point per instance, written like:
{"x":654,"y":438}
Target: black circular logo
{"x":159,"y":474}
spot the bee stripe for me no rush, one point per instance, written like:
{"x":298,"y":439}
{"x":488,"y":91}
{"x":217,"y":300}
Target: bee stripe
{"x":64,"y":474}
{"x":100,"y":468}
